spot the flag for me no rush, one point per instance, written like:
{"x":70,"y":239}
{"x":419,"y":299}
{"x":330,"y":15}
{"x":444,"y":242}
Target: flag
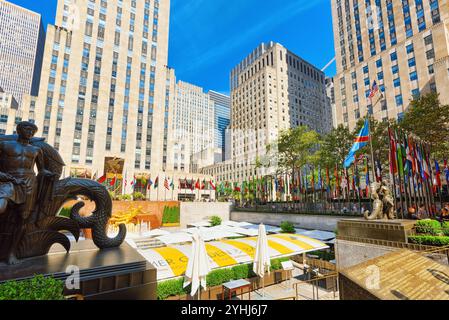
{"x":113,"y":181}
{"x":156,"y":183}
{"x":150,"y":183}
{"x":400,"y":155}
{"x":361,"y":141}
{"x":446,"y":171}
{"x":408,"y":158}
{"x":166,"y":184}
{"x":102,"y":179}
{"x":320,"y":179}
{"x":374,"y":90}
{"x":125,"y":181}
{"x":437,"y":174}
{"x":197,"y":184}
{"x":133,"y":183}
{"x":378,"y":170}
{"x":426,"y":165}
{"x":212,"y":185}
{"x":392,"y":156}
{"x":172,"y":184}
{"x":367,"y":181}
{"x":94,"y":177}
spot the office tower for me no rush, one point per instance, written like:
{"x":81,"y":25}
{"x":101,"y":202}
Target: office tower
{"x":22,"y":40}
{"x":330,"y":90}
{"x":222,"y":114}
{"x":272,"y":90}
{"x":11,"y":114}
{"x":403,"y":46}
{"x":193,"y":124}
{"x":104,"y":95}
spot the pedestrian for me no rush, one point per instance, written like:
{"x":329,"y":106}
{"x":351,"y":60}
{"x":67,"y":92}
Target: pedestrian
{"x":422,"y":213}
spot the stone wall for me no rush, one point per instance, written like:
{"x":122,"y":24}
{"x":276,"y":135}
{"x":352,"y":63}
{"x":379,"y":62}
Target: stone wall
{"x":192,"y":212}
{"x":351,"y":253}
{"x":305,"y":221}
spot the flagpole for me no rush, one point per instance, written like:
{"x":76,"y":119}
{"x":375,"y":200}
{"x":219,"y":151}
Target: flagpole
{"x":371,"y":145}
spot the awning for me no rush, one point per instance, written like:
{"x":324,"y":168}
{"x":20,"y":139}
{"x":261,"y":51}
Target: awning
{"x":177,"y":237}
{"x":171,"y":261}
{"x":200,"y":224}
{"x":240,"y":231}
{"x":213,"y":233}
{"x":268,"y":228}
{"x":238,"y":224}
{"x":319,"y":235}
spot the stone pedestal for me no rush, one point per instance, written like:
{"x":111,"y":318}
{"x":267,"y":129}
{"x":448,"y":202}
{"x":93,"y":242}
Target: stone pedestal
{"x":118,"y":273}
{"x":387,"y":230}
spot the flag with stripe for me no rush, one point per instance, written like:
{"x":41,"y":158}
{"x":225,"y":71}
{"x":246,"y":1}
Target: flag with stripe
{"x":361,"y":141}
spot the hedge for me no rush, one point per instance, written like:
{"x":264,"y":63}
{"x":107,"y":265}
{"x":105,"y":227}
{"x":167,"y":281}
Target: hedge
{"x":429,"y":240}
{"x":432,"y":227}
{"x":171,"y":215}
{"x":287,"y":227}
{"x":37,"y":288}
{"x":170,"y":288}
{"x":215,"y":221}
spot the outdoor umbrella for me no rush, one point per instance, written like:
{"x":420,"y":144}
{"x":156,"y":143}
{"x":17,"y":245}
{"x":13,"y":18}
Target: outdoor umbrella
{"x":198,"y":266}
{"x":262,"y":261}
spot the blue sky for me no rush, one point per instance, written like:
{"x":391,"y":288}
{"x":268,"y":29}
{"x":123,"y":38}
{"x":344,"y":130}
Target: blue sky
{"x":209,"y":37}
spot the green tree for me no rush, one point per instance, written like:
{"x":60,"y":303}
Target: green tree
{"x":428,"y":119}
{"x":335,"y":147}
{"x":295,"y":148}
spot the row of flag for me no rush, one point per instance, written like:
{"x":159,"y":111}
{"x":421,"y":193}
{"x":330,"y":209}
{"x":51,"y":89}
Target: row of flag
{"x":415,"y":175}
{"x":168,"y":183}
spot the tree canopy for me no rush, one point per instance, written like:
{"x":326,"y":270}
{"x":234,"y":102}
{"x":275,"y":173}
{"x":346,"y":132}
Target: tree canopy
{"x":428,"y":119}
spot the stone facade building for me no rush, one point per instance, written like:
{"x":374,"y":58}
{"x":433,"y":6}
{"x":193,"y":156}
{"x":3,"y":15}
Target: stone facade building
{"x":402,"y":45}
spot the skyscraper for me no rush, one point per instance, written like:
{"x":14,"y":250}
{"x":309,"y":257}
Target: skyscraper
{"x":272,"y":90}
{"x":403,"y":46}
{"x":105,"y":88}
{"x":222,"y":114}
{"x":193,"y":123}
{"x":22,"y":39}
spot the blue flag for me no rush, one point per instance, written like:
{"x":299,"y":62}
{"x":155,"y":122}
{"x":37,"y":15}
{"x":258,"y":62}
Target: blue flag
{"x":361,"y":141}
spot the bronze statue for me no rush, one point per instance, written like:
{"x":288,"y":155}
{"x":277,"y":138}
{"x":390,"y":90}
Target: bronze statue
{"x":383,"y":206}
{"x":29,"y":203}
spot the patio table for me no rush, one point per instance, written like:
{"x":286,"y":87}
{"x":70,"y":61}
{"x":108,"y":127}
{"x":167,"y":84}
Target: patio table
{"x":234,"y":286}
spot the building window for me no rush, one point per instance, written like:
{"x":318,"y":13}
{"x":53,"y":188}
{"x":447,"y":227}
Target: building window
{"x":399,"y":101}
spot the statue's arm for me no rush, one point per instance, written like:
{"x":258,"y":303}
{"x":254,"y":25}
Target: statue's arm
{"x":40,"y":163}
{"x":4,"y":176}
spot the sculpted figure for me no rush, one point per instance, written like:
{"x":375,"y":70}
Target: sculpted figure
{"x":18,"y":181}
{"x":30,"y":202}
{"x":383,"y":203}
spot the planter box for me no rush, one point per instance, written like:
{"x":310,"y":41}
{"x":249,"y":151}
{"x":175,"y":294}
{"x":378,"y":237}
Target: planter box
{"x":171,"y":225}
{"x":215,"y":293}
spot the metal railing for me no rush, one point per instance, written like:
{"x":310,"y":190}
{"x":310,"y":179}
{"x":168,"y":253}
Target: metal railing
{"x":315,"y":285}
{"x":324,"y":208}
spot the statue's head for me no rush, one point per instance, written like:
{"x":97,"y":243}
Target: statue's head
{"x":26,"y":130}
